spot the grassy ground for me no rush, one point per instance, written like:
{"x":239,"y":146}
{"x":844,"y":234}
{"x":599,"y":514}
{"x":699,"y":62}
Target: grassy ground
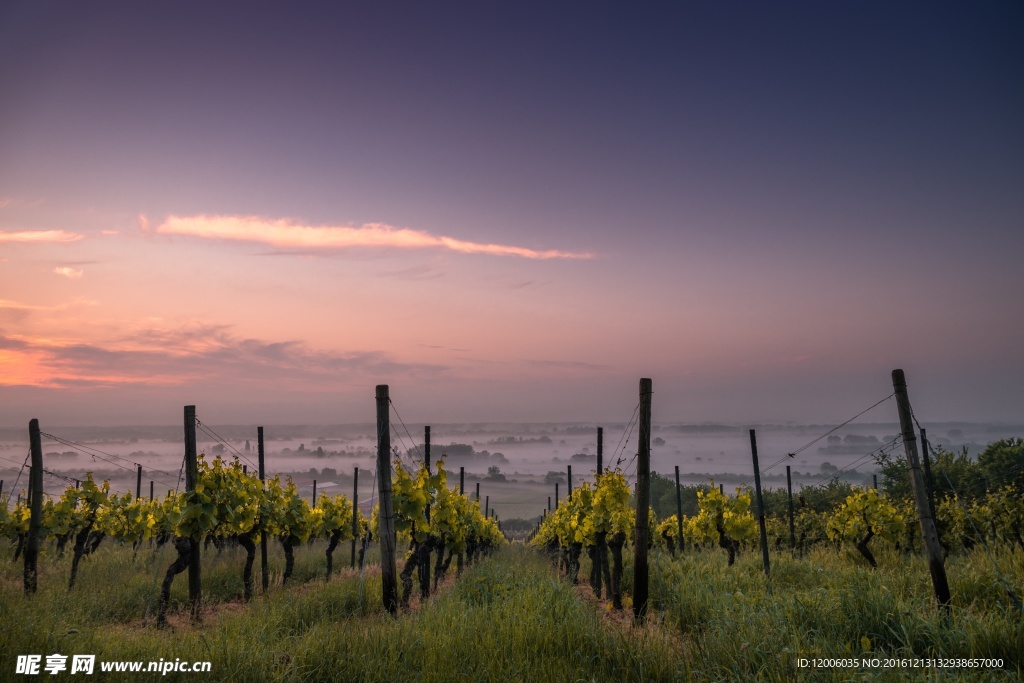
{"x":830,"y":604}
{"x":512,"y":618}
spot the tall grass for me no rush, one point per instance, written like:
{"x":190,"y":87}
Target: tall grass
{"x":508,"y":618}
{"x":511,"y":617}
{"x":831,"y":604}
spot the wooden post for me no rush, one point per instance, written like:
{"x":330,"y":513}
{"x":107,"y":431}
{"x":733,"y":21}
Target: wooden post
{"x":425,"y":567}
{"x":556,"y":495}
{"x":245,"y":468}
{"x":792,"y":523}
{"x":679,"y":510}
{"x":874,"y":478}
{"x":487,"y":506}
{"x":426,"y":447}
{"x":138,"y":483}
{"x":928,"y":481}
{"x":641,"y":533}
{"x":264,"y":570}
{"x":388,"y":571}
{"x":549,"y":504}
{"x":760,"y":502}
{"x":462,"y":481}
{"x":721,"y":489}
{"x":600,"y":450}
{"x":35,"y":487}
{"x":936,"y":564}
{"x":314,"y":494}
{"x":150,"y":489}
{"x":195,"y":589}
{"x":478,"y":492}
{"x":355,"y":514}
{"x":568,"y":495}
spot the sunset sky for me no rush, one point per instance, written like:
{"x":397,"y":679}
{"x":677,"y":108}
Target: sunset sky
{"x":510,"y":211}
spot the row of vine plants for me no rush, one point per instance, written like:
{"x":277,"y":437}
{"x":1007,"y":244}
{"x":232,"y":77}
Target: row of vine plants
{"x":230,"y":506}
{"x":598,"y":518}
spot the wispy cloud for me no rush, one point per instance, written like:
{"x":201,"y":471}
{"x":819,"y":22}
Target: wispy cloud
{"x":8,"y":304}
{"x":189,"y":354}
{"x":415,"y":274}
{"x":287,"y":234}
{"x":36,"y":236}
{"x":564,"y":364}
{"x":67,"y":272}
{"x":12,"y":312}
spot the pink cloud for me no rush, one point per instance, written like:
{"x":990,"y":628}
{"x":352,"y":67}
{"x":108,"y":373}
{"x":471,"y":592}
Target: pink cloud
{"x":283,"y":233}
{"x":35,"y":236}
{"x":72,"y":273}
{"x":167,"y":356}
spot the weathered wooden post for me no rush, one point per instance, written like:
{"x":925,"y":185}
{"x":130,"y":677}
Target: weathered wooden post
{"x":195,"y":588}
{"x":936,"y":564}
{"x":264,"y":570}
{"x":721,"y":489}
{"x":556,"y":495}
{"x":549,"y":504}
{"x":35,"y":487}
{"x":600,"y":450}
{"x":138,"y":483}
{"x":679,"y":511}
{"x":462,"y":481}
{"x":792,"y":523}
{"x":641,"y":532}
{"x":760,"y":503}
{"x":151,"y":490}
{"x":314,"y":494}
{"x":478,"y":492}
{"x":355,"y":514}
{"x":425,"y":567}
{"x":388,"y":571}
{"x":568,"y":469}
{"x":487,"y":506}
{"x":928,"y":481}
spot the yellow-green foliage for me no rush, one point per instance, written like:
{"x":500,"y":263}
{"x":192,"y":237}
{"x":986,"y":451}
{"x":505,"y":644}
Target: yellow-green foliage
{"x":864,"y":510}
{"x":332,"y":516}
{"x":612,"y":511}
{"x":730,"y":514}
{"x":289,"y":515}
{"x":592,"y":510}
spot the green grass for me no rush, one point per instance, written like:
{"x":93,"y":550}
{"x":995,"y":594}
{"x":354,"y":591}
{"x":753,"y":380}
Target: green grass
{"x":831,"y":604}
{"x":512,"y":618}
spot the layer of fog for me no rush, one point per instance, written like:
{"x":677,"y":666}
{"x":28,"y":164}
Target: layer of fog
{"x":522,"y":453}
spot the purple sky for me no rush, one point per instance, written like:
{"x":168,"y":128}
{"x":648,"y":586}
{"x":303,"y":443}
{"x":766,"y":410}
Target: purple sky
{"x":509,"y":211}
